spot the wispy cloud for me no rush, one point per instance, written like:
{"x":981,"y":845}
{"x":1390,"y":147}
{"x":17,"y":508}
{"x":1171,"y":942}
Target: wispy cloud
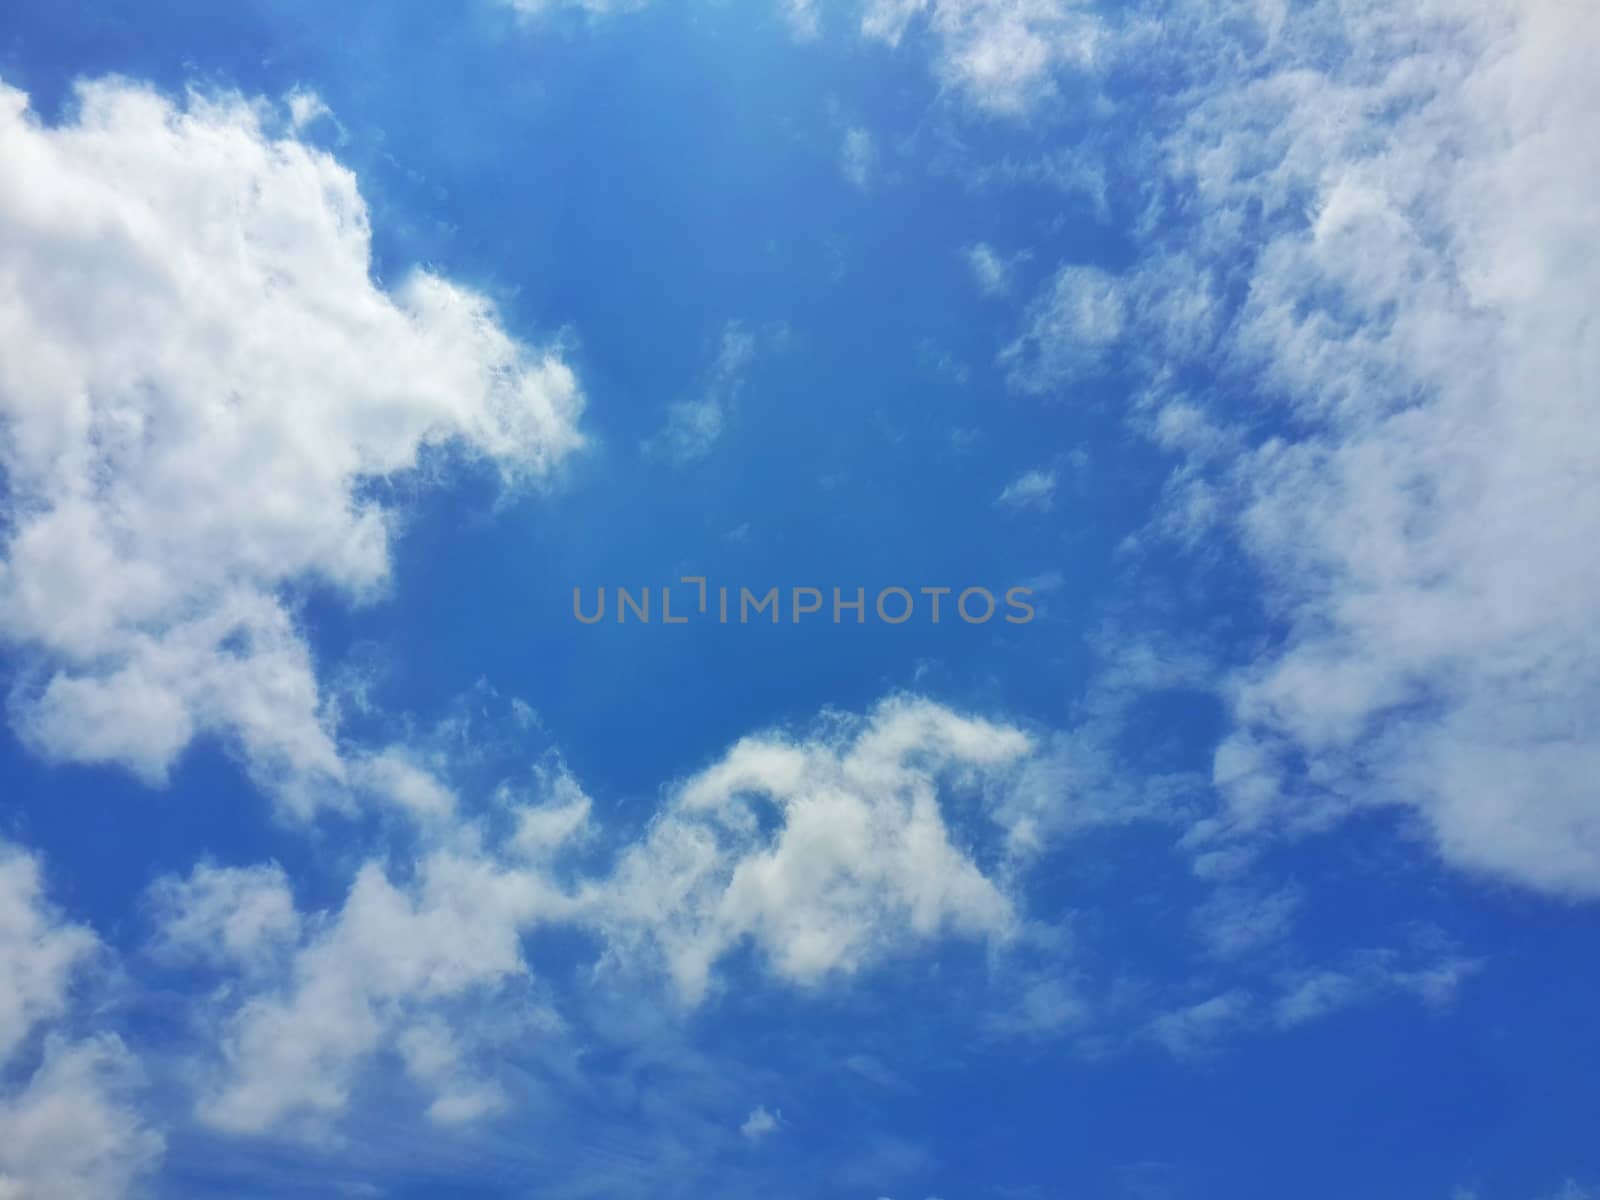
{"x":990,"y":271}
{"x":1419,"y":504}
{"x":1067,"y":331}
{"x":999,"y":55}
{"x":760,"y":1124}
{"x":694,"y":426}
{"x":858,"y":156}
{"x":1034,"y":489}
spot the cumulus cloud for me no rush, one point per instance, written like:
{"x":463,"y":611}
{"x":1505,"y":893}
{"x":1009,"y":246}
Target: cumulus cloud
{"x":73,"y":1129}
{"x":417,"y":969}
{"x":392,"y":970}
{"x":235,"y":915}
{"x":199,"y":381}
{"x":69,"y":1127}
{"x":39,"y":952}
{"x":827,"y":853}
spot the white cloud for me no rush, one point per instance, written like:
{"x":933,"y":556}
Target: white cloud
{"x":695,"y":425}
{"x":1067,"y":331}
{"x":39,"y":952}
{"x":69,"y":1128}
{"x":239,"y":915}
{"x":434,"y":1058}
{"x":1000,"y":55}
{"x":532,"y":9}
{"x":1032,"y":489}
{"x":804,"y":20}
{"x":858,"y":156}
{"x":559,"y":821}
{"x":1416,"y":229}
{"x":1235,"y":922}
{"x":1081,"y":777}
{"x":305,"y":108}
{"x":1042,"y":1007}
{"x":72,"y":1130}
{"x":1312,"y":994}
{"x":1196,"y":1028}
{"x":198,"y":377}
{"x":420,"y":967}
{"x":760,"y":1123}
{"x":991,"y":271}
{"x":384,"y":972}
{"x":393,"y":774}
{"x":1425,"y":970}
{"x":828,"y":853}
{"x":868,"y":839}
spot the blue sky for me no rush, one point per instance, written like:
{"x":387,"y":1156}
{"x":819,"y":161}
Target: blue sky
{"x":340,"y":344}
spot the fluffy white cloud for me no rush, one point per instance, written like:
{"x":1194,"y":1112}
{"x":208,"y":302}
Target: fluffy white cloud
{"x":870,"y":838}
{"x":199,"y":381}
{"x":828,"y":853}
{"x":237,"y":915}
{"x":419,"y":967}
{"x":387,"y":972}
{"x":73,"y":1130}
{"x":68,"y":1128}
{"x":38,"y":951}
